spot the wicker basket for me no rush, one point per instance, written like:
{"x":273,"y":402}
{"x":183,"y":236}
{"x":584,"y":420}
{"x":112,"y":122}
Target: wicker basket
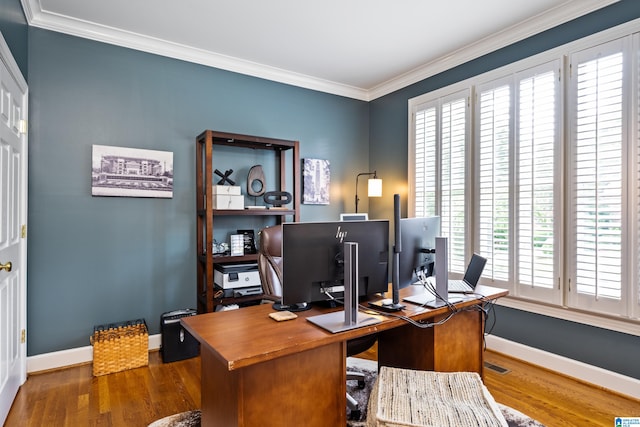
{"x":117,"y":347}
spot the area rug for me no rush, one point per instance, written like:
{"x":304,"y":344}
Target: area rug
{"x":192,"y":418}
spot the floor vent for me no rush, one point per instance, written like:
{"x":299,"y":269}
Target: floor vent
{"x":496,"y":368}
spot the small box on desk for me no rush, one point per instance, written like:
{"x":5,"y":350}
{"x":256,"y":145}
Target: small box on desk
{"x":177,"y":343}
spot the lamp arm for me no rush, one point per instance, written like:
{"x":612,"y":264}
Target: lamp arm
{"x":374,"y":173}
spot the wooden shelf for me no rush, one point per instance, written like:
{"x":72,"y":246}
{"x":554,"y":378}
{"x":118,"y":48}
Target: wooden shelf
{"x":239,"y":300}
{"x":204,"y":203}
{"x":228,"y":259}
{"x":250,"y":212}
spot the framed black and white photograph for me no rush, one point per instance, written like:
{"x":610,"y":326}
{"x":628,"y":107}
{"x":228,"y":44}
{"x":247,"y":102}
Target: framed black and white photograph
{"x":131,"y":172}
{"x":316,"y":180}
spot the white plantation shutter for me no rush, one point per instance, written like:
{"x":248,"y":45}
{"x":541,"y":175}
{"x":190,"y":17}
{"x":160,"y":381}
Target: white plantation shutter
{"x":441,"y":133}
{"x":425,"y":162}
{"x":494,"y":135}
{"x":454,"y":125}
{"x":634,"y":280}
{"x":598,"y":150}
{"x":537,"y":182}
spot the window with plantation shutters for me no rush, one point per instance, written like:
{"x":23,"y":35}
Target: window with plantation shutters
{"x":599,"y":147}
{"x":494,"y":134}
{"x":540,"y":174}
{"x":441,"y":132}
{"x":517,"y":135}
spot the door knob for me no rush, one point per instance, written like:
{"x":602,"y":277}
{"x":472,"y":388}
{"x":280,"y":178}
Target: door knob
{"x":6,"y":266}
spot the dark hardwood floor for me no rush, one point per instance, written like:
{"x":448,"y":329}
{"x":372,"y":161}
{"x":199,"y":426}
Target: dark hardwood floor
{"x":73,"y":397}
{"x":552,"y":399}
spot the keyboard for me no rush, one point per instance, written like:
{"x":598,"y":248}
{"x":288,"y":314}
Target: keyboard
{"x":459,"y":286}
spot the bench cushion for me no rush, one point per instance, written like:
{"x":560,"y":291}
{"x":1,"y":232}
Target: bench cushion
{"x":404,"y":397}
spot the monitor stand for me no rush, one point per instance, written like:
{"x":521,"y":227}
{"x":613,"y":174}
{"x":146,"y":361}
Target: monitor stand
{"x":442,"y":274}
{"x":349,"y":318}
{"x":334,"y":321}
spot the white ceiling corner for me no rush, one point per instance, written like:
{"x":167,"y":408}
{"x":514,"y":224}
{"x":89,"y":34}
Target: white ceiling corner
{"x":361,"y":49}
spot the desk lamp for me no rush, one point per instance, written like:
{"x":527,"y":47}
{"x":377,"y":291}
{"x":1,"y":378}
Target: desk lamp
{"x":375,"y":186}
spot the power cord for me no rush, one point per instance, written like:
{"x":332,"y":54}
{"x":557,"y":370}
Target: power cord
{"x":453,"y":310}
{"x":429,"y":286}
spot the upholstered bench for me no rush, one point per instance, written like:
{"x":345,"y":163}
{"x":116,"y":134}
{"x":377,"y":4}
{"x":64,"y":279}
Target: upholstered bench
{"x":404,"y":397}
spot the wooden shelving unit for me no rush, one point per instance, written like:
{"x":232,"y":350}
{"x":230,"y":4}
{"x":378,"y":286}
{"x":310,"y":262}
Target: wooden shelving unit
{"x":205,"y":142}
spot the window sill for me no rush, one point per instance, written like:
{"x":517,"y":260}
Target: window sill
{"x":624,"y":325}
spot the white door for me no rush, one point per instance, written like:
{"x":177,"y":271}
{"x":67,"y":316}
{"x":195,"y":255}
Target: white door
{"x":13,"y":219}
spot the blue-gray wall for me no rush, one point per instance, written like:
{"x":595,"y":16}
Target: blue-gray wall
{"x":13,"y":26}
{"x":388,"y":150}
{"x":94,"y":260}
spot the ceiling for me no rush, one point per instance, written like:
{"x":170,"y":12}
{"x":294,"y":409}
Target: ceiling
{"x":361,"y":49}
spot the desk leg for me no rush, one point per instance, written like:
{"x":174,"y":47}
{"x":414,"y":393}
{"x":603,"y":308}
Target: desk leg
{"x":456,"y":345}
{"x":306,"y":388}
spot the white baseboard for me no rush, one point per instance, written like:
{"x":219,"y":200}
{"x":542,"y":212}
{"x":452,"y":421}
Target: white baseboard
{"x":73,"y":356}
{"x":572,"y":368}
{"x":569,"y":367}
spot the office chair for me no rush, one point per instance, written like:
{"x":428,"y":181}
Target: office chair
{"x":270,"y":260}
{"x":270,"y":270}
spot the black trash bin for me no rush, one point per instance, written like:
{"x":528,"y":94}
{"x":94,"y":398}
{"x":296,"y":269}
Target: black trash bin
{"x":177,"y":343}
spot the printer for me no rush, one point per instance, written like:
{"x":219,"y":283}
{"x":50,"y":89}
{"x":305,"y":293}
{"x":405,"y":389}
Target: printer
{"x":233,"y":276}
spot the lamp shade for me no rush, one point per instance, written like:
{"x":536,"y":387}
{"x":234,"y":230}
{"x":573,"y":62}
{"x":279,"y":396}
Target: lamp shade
{"x":375,"y":187}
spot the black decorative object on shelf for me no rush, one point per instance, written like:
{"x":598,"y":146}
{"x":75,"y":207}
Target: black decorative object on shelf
{"x":225,"y":177}
{"x":256,"y":181}
{"x":277,"y":198}
{"x":249,"y":241}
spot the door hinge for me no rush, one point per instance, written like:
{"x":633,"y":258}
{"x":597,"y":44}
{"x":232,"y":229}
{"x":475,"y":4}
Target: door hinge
{"x":23,"y":231}
{"x":22,"y":124}
{"x":23,"y":336}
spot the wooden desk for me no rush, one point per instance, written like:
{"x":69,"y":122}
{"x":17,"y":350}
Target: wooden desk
{"x":259,"y":372}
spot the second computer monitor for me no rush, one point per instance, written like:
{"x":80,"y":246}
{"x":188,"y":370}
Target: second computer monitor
{"x":418,"y":243}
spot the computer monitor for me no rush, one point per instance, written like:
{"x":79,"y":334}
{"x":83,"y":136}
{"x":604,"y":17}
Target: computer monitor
{"x":418,"y":238}
{"x":313,"y":264}
{"x":354,"y":216}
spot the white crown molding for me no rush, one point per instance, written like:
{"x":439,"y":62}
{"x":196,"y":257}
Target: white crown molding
{"x":506,"y":37}
{"x":27,"y":7}
{"x":563,"y":13}
{"x":36,"y":17}
{"x":39,"y":18}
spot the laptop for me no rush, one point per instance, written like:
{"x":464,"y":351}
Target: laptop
{"x":468,"y":283}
